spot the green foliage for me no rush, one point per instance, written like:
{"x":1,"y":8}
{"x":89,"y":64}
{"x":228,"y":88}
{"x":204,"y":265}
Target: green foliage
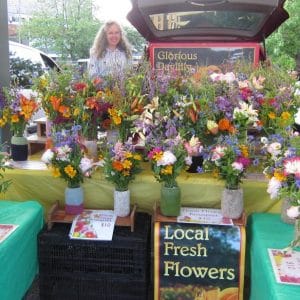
{"x":135,"y":39}
{"x":284,"y":44}
{"x":23,"y":71}
{"x":64,"y":27}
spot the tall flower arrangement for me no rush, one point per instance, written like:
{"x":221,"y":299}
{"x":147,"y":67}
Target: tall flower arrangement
{"x":90,"y":107}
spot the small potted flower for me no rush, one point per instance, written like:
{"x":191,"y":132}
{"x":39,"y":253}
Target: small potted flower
{"x":228,"y":160}
{"x":167,"y":163}
{"x":67,"y":161}
{"x":121,"y":165}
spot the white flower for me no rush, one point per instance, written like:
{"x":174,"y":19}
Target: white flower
{"x":168,"y":158}
{"x":85,"y":164}
{"x":297,"y":115}
{"x":237,"y":166}
{"x":47,"y":156}
{"x":188,"y":160}
{"x":218,"y":152}
{"x":229,"y":77}
{"x":293,"y":212}
{"x":264,"y":140}
{"x":273,"y":187}
{"x":274,"y":149}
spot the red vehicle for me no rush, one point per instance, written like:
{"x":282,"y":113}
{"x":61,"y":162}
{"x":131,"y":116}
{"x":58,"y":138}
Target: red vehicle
{"x":184,"y":34}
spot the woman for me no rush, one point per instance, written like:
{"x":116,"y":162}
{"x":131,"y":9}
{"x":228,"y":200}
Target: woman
{"x":111,"y":53}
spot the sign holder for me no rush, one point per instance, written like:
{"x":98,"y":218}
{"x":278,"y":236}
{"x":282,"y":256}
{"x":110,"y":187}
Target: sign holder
{"x":200,"y":260}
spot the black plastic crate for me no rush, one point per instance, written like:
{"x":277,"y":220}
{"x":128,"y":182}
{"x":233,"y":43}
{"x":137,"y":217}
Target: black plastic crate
{"x":79,"y":269}
{"x":82,"y":286}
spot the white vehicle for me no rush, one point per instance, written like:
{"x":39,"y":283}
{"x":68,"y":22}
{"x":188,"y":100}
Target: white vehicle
{"x":34,"y":55}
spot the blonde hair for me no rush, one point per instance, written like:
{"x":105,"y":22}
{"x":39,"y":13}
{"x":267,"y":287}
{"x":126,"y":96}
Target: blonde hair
{"x":100,"y":42}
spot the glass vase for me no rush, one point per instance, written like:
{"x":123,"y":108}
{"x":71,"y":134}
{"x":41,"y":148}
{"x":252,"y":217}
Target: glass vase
{"x":285,"y":204}
{"x":121,"y":203}
{"x":19,"y":148}
{"x":74,"y":200}
{"x":232,"y":203}
{"x":170,"y":201}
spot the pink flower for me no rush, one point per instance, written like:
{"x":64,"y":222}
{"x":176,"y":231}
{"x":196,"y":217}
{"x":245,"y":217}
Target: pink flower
{"x":237,"y":166}
{"x":292,"y":166}
{"x":245,"y":161}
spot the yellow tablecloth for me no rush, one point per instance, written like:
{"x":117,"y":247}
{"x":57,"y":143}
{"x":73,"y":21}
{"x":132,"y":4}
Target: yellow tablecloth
{"x":198,"y":190}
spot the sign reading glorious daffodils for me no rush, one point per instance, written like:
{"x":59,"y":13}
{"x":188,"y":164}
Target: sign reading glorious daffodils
{"x":189,"y":57}
{"x":197,"y":262}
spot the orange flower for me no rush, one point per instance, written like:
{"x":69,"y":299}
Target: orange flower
{"x":117,"y":165}
{"x":92,"y":103}
{"x":55,"y":102}
{"x":224,"y":124}
{"x":28,"y":107}
{"x":15,"y":118}
{"x":65,"y":111}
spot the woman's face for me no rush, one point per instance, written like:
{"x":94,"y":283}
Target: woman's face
{"x":113,"y":35}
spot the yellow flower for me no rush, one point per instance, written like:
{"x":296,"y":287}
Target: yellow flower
{"x":244,"y":150}
{"x":285,"y":115}
{"x":70,"y":171}
{"x":137,"y":157}
{"x":279,"y":175}
{"x":2,"y":122}
{"x":127,"y":164}
{"x":271,"y":115}
{"x":157,"y":156}
{"x":128,"y":155}
{"x":167,"y":170}
{"x":76,"y":112}
{"x":55,"y":172}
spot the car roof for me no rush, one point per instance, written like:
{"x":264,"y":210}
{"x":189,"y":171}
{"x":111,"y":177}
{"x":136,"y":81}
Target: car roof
{"x":207,"y":20}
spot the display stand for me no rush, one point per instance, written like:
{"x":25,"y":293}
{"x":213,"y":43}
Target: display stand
{"x":37,"y":142}
{"x":58,"y":215}
{"x":206,"y":261}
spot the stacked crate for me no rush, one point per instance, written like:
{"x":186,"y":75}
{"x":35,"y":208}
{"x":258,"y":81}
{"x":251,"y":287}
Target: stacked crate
{"x":77,"y":269}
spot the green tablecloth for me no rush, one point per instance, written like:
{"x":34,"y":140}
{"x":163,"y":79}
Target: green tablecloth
{"x":267,"y":231}
{"x":197,"y":190}
{"x":18,"y":253}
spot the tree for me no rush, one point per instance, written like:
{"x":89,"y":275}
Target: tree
{"x":284,"y":44}
{"x":135,"y":39}
{"x":66,"y":27}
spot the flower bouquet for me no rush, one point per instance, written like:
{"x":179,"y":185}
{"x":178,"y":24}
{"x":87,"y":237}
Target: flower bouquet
{"x":67,"y":161}
{"x":167,"y":162}
{"x":17,"y":110}
{"x":121,"y":165}
{"x":228,"y":160}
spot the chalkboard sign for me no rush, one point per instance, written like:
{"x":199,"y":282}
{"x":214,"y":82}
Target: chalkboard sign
{"x":191,"y":58}
{"x":195,"y":261}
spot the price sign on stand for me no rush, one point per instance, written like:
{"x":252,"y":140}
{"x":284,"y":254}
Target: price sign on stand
{"x":198,"y":261}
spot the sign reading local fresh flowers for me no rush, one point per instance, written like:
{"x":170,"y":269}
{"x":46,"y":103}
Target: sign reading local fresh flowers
{"x":197,"y":261}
